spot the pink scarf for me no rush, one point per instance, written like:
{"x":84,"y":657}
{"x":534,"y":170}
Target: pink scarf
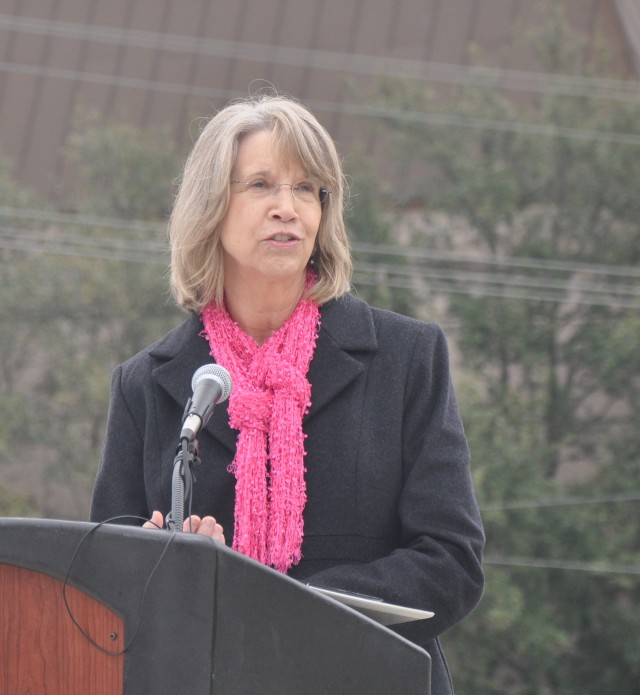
{"x":270,"y":396}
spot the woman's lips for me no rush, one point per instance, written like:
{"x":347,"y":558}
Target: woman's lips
{"x":283,"y":238}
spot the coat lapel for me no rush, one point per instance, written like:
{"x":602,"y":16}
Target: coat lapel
{"x":346,"y":327}
{"x":180,"y":354}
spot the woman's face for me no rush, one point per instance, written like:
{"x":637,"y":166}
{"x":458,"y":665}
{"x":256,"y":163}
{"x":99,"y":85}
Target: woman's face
{"x":268,"y":232}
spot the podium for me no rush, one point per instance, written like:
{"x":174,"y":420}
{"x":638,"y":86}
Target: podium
{"x":120,"y":610}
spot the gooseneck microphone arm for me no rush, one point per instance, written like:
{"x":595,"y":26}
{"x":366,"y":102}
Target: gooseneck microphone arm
{"x":211,"y":384}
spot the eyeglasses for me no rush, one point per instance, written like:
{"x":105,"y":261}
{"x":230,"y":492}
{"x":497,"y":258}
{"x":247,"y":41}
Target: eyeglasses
{"x":306,"y":192}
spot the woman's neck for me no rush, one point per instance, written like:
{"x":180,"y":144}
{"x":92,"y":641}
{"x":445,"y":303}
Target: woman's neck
{"x":261,"y":312}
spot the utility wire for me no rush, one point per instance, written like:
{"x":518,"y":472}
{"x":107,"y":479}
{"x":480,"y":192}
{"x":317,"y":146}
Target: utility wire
{"x":450,"y":119}
{"x":118,"y":81}
{"x":61,"y":239}
{"x":111,"y":254}
{"x":351,"y":109}
{"x":534,"y":288}
{"x":405,"y":252}
{"x":532,"y":263}
{"x":446,"y":288}
{"x":332,"y":61}
{"x":401,"y":276}
{"x":552,"y":564}
{"x":50,"y":216}
{"x":46,"y":240}
{"x":493,"y":278}
{"x":571,"y":566}
{"x":83,"y":247}
{"x":562,"y":502}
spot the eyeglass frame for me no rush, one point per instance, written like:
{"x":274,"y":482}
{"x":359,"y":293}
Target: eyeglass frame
{"x":323,"y":193}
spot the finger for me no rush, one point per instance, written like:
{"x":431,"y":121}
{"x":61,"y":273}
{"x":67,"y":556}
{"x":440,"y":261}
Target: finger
{"x":210,"y":527}
{"x":156,"y":521}
{"x":192,"y":524}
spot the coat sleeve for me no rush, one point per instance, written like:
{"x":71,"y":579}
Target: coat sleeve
{"x":119,"y":488}
{"x":436,"y":564}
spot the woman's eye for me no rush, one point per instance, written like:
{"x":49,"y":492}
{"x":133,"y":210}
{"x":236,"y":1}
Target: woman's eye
{"x":306,"y":187}
{"x":259,"y":184}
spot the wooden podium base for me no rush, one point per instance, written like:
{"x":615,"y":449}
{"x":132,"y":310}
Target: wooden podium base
{"x":44,"y":652}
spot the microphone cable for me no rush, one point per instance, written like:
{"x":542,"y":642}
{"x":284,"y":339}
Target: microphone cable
{"x":84,"y":633}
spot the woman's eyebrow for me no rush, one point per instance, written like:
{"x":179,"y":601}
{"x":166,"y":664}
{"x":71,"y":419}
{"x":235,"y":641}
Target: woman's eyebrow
{"x":269,"y":173}
{"x":260,"y":172}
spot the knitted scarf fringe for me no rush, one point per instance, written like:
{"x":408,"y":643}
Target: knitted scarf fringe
{"x":270,"y":396}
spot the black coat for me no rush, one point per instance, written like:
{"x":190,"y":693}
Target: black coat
{"x":391,"y":510}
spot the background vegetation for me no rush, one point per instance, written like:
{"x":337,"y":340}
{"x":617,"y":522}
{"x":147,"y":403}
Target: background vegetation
{"x":524,"y":245}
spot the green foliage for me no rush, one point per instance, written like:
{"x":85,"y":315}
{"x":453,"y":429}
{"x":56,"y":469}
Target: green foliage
{"x":80,"y":294}
{"x":562,"y":583}
{"x":368,"y":225}
{"x":548,"y":375}
{"x":544,"y":190}
{"x":12,"y":504}
{"x":122,"y":171}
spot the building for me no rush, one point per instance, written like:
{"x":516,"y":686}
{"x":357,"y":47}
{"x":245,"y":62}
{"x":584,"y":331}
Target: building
{"x":161,"y":62}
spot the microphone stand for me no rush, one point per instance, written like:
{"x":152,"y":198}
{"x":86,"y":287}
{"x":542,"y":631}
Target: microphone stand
{"x":182,"y":482}
{"x":211,"y":384}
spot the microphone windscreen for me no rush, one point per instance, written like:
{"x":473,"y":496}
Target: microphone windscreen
{"x":217,"y":371}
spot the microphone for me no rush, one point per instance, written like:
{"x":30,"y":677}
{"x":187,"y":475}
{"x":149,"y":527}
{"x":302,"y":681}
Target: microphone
{"x":211,"y":384}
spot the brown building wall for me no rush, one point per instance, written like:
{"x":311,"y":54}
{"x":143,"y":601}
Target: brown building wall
{"x":163,"y":62}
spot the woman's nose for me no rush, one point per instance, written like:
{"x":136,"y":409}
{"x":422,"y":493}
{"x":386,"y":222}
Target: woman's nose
{"x":284,"y":202}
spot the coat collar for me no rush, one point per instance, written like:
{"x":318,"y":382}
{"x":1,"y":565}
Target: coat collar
{"x":346,"y":329}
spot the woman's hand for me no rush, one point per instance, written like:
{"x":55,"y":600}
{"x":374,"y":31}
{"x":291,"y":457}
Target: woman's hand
{"x":207,"y":526}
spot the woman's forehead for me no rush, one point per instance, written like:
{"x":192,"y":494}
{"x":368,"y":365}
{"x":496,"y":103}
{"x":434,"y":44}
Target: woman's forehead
{"x":264,"y":152}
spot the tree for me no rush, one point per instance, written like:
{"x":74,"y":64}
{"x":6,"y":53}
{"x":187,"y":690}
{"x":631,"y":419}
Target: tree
{"x":81,"y":292}
{"x":16,"y":286}
{"x":122,"y":171}
{"x":538,"y":257}
{"x":370,"y":230}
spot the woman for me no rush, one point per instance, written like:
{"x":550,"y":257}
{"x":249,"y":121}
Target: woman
{"x":341,"y":458}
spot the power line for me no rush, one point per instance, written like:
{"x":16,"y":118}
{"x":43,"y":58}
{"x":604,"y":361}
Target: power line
{"x":510,"y":126}
{"x":401,"y":277}
{"x":149,"y":252}
{"x":350,"y":109}
{"x":152,"y":258}
{"x":334,"y":61}
{"x":570,"y":566}
{"x":61,"y":239}
{"x":528,"y":295}
{"x":83,"y":247}
{"x":481,"y":279}
{"x":118,"y":81}
{"x":62,"y":251}
{"x":88,"y":220}
{"x":511,"y":261}
{"x":616,"y":498}
{"x":407,"y":252}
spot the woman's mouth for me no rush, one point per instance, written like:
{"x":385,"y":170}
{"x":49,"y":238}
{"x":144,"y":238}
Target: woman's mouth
{"x":283,"y":238}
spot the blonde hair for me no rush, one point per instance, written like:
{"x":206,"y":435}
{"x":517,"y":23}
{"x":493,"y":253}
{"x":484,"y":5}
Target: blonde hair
{"x":202,"y":199}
